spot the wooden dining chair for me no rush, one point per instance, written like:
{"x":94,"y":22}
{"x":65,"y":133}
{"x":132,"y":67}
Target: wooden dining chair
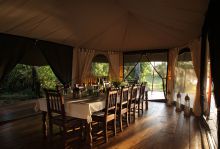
{"x":132,"y":103}
{"x":109,"y":113}
{"x":140,"y":100}
{"x":146,"y":99}
{"x":57,"y":115}
{"x":123,"y":106}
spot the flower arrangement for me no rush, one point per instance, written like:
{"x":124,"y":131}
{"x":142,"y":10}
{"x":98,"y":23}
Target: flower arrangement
{"x":76,"y":92}
{"x":124,"y":83}
{"x":116,"y":84}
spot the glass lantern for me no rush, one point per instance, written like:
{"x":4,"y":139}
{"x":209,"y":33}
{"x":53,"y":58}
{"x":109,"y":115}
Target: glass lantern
{"x":187,"y":106}
{"x":80,"y":93}
{"x":178,"y":102}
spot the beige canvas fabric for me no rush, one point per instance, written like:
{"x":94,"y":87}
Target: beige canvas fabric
{"x":82,"y":63}
{"x":114,"y":69}
{"x":195,"y":48}
{"x":173,"y":56}
{"x":106,"y":24}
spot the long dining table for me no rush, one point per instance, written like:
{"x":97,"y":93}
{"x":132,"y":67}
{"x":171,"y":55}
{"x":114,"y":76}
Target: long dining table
{"x":81,"y":108}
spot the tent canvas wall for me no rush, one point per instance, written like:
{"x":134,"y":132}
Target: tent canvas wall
{"x":122,"y":25}
{"x":17,"y":49}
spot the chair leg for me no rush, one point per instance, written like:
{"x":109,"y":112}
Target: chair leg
{"x":106,"y":132}
{"x":115,"y":126}
{"x":50,"y":131}
{"x":127,"y":119}
{"x":138,"y":109}
{"x":82,"y":130}
{"x":129,"y":113}
{"x":121,"y":122}
{"x":142,"y":105}
{"x":134,"y":112}
{"x":146,"y":104}
{"x":64,"y":137}
{"x":146,"y":100}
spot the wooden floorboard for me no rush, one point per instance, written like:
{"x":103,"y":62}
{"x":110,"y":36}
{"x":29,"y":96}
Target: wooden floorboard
{"x":160,"y":127}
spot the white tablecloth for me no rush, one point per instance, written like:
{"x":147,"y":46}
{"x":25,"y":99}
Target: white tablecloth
{"x":79,"y":108}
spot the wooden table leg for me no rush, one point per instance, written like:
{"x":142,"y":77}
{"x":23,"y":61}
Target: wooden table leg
{"x":89,"y":142}
{"x":44,"y":123}
{"x":146,"y":100}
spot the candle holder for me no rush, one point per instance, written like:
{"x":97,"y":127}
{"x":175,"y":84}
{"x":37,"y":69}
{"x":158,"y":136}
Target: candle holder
{"x":187,"y":106}
{"x":178,"y":103}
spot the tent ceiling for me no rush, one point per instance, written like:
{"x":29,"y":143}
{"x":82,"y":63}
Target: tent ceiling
{"x":106,"y":24}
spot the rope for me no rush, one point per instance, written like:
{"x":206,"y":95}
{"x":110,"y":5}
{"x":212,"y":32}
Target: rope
{"x":162,"y":78}
{"x":133,"y":67}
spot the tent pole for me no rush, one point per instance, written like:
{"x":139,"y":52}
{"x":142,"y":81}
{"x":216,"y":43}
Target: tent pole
{"x":167,"y":72}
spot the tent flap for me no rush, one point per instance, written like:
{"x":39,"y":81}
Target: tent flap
{"x":12,"y":50}
{"x":59,"y":57}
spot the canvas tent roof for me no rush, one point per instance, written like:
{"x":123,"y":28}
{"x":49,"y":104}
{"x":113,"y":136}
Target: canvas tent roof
{"x":106,"y":24}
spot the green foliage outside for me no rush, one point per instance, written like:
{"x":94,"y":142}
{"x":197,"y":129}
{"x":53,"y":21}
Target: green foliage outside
{"x":162,"y":69}
{"x":128,"y":72}
{"x":47,"y":77}
{"x":20,"y":78}
{"x":26,"y":82}
{"x":20,"y":83}
{"x":100,"y":69}
{"x":186,"y":79}
{"x":146,"y":74}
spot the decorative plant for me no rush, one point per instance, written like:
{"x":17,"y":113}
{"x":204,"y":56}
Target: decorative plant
{"x":116,"y":83}
{"x":76,"y":89}
{"x":124,"y":83}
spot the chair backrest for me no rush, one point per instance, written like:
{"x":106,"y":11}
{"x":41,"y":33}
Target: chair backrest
{"x":95,"y":86}
{"x":111,"y":102}
{"x":124,"y":97}
{"x":142,"y":91}
{"x":138,"y":90}
{"x":55,"y":102}
{"x":134,"y":91}
{"x":63,"y":88}
{"x":107,"y":85}
{"x":59,"y":87}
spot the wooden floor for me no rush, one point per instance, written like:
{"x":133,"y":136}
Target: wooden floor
{"x":159,"y":128}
